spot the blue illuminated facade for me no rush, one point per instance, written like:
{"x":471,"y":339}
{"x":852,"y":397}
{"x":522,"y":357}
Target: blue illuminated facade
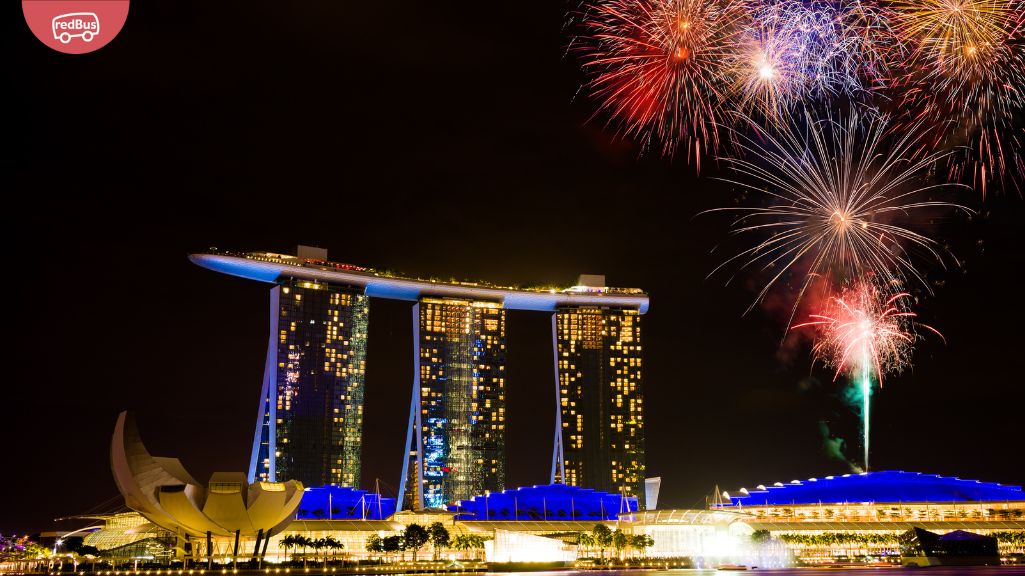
{"x":876,"y":487}
{"x":548,"y":502}
{"x":456,"y":437}
{"x":343,"y":503}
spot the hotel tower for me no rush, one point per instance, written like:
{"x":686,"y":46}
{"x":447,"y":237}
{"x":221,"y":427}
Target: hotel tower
{"x":310,"y":417}
{"x":310,"y":421}
{"x":600,"y":444}
{"x":455,"y":441}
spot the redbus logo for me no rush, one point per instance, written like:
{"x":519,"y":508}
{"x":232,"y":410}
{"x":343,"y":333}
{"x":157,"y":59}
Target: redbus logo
{"x":84,"y":25}
{"x":75,"y":26}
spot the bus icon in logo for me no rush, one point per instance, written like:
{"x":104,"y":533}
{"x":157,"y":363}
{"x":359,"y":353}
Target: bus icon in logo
{"x":84,"y":25}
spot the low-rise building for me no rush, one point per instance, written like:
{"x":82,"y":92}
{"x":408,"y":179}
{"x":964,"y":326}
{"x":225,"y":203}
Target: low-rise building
{"x":861,"y":516}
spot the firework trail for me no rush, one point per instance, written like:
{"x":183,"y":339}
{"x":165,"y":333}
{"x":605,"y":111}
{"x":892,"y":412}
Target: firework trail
{"x":873,"y":44}
{"x":836,"y":192}
{"x":659,"y":67}
{"x":862,"y":331}
{"x":966,"y":71}
{"x":844,"y":47}
{"x":794,"y":52}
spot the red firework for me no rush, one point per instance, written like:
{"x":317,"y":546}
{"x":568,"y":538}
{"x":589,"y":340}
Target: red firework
{"x":865,"y":327}
{"x":660,"y":68}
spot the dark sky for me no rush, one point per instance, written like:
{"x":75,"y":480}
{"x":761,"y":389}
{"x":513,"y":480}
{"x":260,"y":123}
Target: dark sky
{"x":435,"y":139}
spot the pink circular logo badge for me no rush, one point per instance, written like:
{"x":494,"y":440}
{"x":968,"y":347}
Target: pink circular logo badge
{"x":75,"y":26}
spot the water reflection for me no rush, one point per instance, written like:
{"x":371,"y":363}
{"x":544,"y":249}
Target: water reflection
{"x":862,"y":571}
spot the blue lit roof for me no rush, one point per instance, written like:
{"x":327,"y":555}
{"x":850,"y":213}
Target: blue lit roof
{"x":886,"y":486}
{"x":545,"y":502}
{"x":343,"y":503}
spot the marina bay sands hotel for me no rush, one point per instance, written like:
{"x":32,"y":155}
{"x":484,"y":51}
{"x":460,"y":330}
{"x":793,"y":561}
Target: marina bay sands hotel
{"x":310,"y":416}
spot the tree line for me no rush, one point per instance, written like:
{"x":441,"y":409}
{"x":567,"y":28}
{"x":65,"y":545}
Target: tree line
{"x":415,"y":537}
{"x":297,"y":541}
{"x":844,"y":538}
{"x":603,"y":538}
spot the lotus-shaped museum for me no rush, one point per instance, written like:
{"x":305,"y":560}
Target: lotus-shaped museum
{"x":161,"y":490}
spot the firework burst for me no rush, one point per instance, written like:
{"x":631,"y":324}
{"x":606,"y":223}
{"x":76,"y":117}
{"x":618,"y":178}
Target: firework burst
{"x":865,"y":330}
{"x":954,"y":38}
{"x":966,"y":71}
{"x":797,"y":51}
{"x":871,"y":44}
{"x":836,"y":191}
{"x":769,"y":65}
{"x":659,"y":67}
{"x":863,"y":324}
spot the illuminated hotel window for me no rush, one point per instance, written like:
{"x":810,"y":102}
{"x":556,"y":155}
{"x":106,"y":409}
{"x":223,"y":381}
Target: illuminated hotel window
{"x":462,"y":359}
{"x":317,"y":417}
{"x":596,"y":378}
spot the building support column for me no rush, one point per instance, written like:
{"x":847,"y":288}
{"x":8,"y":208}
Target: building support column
{"x":266,"y":540}
{"x":414,"y":431}
{"x":266,"y":416}
{"x":256,"y":547}
{"x":558,"y":457}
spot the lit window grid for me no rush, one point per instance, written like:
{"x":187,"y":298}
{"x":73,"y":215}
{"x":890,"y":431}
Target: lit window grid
{"x":600,"y":365}
{"x":462,"y":376}
{"x":322,"y":363}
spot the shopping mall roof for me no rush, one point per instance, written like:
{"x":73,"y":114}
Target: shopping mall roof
{"x":882,"y":487}
{"x":546,"y":503}
{"x":343,"y":503}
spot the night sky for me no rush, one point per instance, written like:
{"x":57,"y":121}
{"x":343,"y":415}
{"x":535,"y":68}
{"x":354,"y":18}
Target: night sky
{"x":434,"y":139}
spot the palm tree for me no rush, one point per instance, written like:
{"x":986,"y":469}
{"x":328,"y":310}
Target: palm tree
{"x":603,"y":538}
{"x":303,"y":541}
{"x":460,"y":543}
{"x":317,"y":546}
{"x":620,"y":541}
{"x":473,"y":542}
{"x":585,"y":540}
{"x":477,"y":543}
{"x":288,"y":542}
{"x":641,"y":541}
{"x":333,"y":545}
